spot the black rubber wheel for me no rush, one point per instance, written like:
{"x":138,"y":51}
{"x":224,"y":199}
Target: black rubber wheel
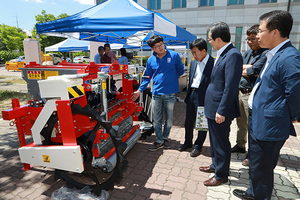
{"x":95,"y":178}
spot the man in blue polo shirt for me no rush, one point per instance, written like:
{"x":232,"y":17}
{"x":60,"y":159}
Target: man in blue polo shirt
{"x":165,"y":67}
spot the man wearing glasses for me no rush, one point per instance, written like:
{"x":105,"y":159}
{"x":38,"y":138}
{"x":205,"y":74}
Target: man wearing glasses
{"x":273,"y":103}
{"x":253,"y":59}
{"x":165,"y":67}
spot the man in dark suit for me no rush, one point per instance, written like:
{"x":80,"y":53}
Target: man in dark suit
{"x":221,"y":101}
{"x":254,"y":60}
{"x":199,"y":78}
{"x":273,"y":103}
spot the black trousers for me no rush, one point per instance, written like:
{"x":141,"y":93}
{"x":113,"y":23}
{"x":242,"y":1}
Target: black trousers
{"x":190,"y":119}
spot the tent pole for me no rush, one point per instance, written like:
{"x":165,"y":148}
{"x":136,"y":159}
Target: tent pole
{"x":187,"y":63}
{"x":142,"y":53}
{"x":39,"y":48}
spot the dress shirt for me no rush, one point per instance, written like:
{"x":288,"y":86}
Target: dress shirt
{"x":220,"y":51}
{"x":269,"y":55}
{"x":199,"y":71}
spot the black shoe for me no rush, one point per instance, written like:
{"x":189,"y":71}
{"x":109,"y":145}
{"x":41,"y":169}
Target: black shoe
{"x":242,"y":194}
{"x":184,"y":147}
{"x":237,"y":149}
{"x":167,"y":144}
{"x":156,"y":146}
{"x":195,"y":153}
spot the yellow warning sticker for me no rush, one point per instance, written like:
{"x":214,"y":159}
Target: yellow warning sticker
{"x":46,"y":158}
{"x":49,"y":73}
{"x":34,"y":75}
{"x":103,"y":85}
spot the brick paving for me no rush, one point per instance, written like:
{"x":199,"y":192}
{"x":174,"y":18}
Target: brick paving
{"x":164,"y":174}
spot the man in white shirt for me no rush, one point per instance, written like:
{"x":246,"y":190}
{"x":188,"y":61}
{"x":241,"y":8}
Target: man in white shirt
{"x":199,"y":78}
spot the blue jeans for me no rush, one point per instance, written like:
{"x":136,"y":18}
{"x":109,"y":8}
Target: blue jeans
{"x":162,"y":103}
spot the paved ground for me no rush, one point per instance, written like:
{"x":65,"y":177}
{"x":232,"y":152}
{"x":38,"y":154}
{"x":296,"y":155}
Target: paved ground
{"x":164,"y":174}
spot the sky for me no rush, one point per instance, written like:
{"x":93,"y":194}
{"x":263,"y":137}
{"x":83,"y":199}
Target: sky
{"x":21,"y":13}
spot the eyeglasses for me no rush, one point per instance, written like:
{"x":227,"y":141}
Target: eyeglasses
{"x":209,"y":39}
{"x":250,"y":39}
{"x":261,"y":31}
{"x":158,"y":46}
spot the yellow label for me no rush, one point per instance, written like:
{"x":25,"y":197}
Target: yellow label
{"x":121,"y":67}
{"x":34,"y":75}
{"x":103,"y":85}
{"x":46,"y":158}
{"x":49,"y":73}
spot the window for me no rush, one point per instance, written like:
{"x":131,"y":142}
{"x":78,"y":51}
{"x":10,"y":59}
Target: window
{"x":267,"y":1}
{"x":209,"y":47}
{"x":100,"y":1}
{"x":179,"y":3}
{"x":135,"y":1}
{"x":238,"y":37}
{"x":235,"y":2}
{"x":206,"y":2}
{"x":154,"y":4}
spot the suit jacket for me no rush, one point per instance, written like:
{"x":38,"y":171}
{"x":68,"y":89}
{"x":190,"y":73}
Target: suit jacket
{"x":205,"y":79}
{"x":257,"y":63}
{"x":276,"y":102}
{"x":222,"y":93}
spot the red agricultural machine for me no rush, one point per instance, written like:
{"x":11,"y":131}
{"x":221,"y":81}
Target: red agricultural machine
{"x":80,"y":124}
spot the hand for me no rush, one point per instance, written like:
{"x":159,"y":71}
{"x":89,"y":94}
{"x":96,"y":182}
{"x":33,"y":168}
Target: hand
{"x":135,"y":95}
{"x":245,"y":73}
{"x":219,"y":118}
{"x":246,"y":66}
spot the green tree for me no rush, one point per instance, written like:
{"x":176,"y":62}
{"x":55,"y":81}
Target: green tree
{"x":12,"y":37}
{"x":45,"y":40}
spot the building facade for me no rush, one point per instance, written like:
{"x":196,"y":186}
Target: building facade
{"x":196,"y":15}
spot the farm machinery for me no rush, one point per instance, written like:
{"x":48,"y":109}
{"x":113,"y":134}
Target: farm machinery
{"x":80,"y":124}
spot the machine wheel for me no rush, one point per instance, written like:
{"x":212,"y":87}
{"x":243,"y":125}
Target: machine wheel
{"x":95,"y":178}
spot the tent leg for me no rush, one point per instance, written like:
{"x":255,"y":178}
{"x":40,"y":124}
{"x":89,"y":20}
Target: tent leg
{"x":39,"y":48}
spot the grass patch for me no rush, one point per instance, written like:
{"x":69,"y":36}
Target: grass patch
{"x":7,"y":96}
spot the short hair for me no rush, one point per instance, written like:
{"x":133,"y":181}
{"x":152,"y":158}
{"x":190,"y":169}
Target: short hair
{"x":154,"y":39}
{"x":100,"y":48}
{"x":123,"y":52}
{"x":221,"y":30}
{"x":280,"y":20}
{"x":199,"y":43}
{"x":253,"y":29}
{"x":106,"y":45}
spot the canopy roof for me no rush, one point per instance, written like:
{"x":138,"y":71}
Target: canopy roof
{"x":70,"y":45}
{"x":117,"y":21}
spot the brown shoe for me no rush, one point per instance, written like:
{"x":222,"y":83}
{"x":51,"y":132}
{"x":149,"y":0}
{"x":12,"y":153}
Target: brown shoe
{"x":213,"y":182}
{"x":245,"y":162}
{"x":206,"y":169}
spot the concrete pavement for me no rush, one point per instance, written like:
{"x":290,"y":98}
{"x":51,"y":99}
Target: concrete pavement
{"x":164,"y":174}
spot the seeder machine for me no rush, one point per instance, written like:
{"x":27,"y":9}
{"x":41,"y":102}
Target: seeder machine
{"x":80,"y":124}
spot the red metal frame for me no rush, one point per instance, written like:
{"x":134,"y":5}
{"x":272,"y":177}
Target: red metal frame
{"x":74,"y":125}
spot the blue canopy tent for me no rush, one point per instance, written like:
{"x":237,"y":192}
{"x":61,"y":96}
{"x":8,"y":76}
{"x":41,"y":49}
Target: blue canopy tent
{"x":70,"y":45}
{"x":117,"y":21}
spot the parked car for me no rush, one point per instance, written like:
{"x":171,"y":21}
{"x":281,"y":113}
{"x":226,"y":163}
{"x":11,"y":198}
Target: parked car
{"x":55,"y":58}
{"x":21,"y":59}
{"x":81,"y":59}
{"x":68,"y":60}
{"x":18,"y":59}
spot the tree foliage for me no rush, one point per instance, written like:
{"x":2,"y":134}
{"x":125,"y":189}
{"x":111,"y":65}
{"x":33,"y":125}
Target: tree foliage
{"x":46,"y":41}
{"x":8,"y":55}
{"x":12,"y":37}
